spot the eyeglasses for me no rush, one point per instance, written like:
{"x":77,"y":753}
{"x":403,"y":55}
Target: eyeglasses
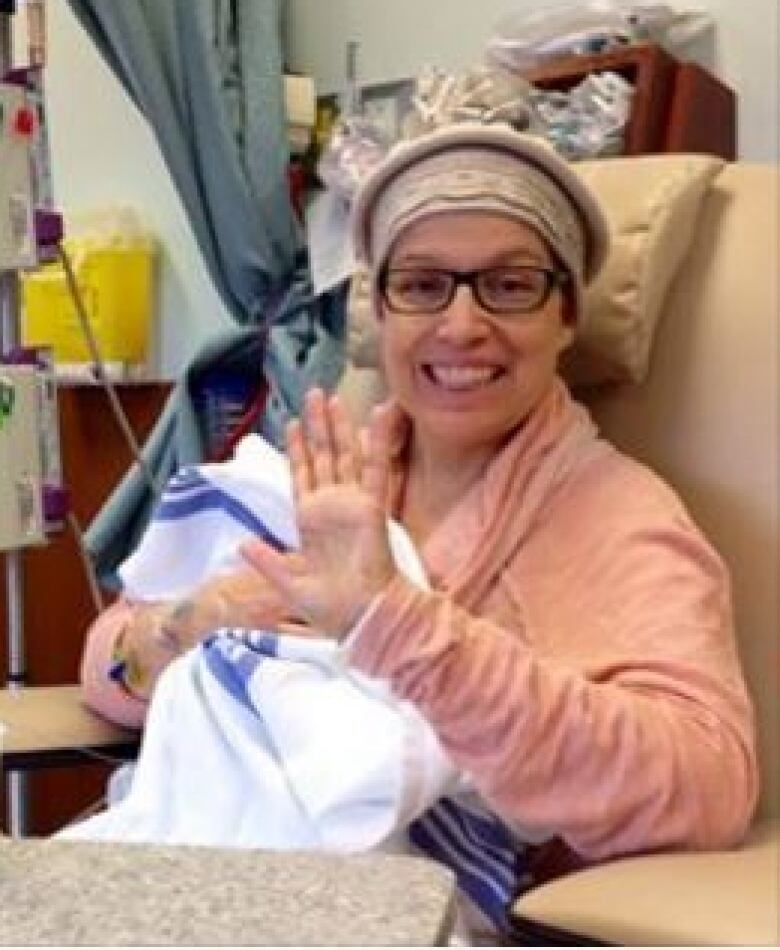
{"x":498,"y":290}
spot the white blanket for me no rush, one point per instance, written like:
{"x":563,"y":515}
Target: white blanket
{"x":254,"y":739}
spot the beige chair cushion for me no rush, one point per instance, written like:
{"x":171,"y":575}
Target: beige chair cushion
{"x":39,"y":719}
{"x":652,"y":203}
{"x":707,"y":419}
{"x":723,"y":898}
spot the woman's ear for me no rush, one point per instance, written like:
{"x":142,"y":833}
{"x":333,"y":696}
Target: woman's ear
{"x":568,"y":327}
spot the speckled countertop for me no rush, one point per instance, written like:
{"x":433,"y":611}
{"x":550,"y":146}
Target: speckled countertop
{"x":99,"y":894}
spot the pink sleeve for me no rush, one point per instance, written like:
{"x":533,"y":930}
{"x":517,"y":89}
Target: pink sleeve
{"x":613,"y":715}
{"x":99,"y":691}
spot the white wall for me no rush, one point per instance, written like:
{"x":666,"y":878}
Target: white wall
{"x":103,"y":154}
{"x":103,"y":151}
{"x":398,"y":38}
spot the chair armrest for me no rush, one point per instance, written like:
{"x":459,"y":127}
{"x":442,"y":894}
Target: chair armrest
{"x":49,"y":725}
{"x":682,"y":899}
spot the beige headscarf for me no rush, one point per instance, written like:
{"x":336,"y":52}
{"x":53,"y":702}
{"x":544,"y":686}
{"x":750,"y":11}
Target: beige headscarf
{"x":473,"y":166}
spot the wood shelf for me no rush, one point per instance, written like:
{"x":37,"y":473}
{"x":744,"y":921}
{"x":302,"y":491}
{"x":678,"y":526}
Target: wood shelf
{"x":677,"y":106}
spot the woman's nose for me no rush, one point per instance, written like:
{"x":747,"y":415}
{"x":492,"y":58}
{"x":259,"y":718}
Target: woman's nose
{"x":463,"y":320}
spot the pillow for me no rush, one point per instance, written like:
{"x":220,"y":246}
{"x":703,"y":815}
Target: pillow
{"x":652,"y":202}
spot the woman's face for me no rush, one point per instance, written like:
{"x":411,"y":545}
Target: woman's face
{"x":465,"y":376}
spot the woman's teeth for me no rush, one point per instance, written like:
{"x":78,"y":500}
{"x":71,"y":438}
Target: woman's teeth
{"x":461,"y":377}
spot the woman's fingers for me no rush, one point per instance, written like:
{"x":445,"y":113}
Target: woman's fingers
{"x":340,"y":502}
{"x":345,"y":444}
{"x":320,"y":437}
{"x":324,"y":450}
{"x":375,"y":440}
{"x":298,"y":455}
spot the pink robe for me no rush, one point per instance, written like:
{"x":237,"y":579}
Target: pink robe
{"x":577,"y":656}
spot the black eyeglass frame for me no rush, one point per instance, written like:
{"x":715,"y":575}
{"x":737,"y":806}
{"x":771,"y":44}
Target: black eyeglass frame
{"x":554,"y":278}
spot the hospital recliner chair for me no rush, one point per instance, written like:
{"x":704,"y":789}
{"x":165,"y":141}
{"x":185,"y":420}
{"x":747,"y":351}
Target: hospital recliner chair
{"x":707,"y":419}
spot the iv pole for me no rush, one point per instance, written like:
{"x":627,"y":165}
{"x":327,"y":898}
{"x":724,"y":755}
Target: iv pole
{"x":10,"y":311}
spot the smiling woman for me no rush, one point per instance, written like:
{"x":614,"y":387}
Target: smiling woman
{"x":479,"y":274}
{"x":471,"y":361}
{"x":574,"y":653}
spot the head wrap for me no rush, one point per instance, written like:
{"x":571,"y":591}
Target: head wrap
{"x":471,"y":166}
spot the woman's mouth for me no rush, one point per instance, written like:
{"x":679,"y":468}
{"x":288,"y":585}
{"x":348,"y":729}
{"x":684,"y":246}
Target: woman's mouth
{"x":461,"y":378}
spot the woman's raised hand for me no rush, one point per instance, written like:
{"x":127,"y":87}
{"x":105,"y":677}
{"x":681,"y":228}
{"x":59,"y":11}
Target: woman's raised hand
{"x":340,"y":486}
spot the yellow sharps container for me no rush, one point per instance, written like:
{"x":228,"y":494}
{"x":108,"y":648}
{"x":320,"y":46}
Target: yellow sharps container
{"x":116,"y":278}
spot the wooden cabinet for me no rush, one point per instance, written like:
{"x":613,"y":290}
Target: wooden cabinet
{"x":677,"y":106}
{"x":58,"y":607}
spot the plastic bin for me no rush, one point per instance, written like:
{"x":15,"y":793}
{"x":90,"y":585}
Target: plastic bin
{"x":116,"y":280}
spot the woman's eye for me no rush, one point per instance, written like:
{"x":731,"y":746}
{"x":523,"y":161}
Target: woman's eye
{"x":514,"y":283}
{"x":511,"y":284}
{"x":417,"y":284}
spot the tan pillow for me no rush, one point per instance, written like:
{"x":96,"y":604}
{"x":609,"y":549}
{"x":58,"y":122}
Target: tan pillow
{"x":652,"y":202}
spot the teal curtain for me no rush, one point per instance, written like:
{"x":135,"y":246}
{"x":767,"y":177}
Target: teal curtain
{"x":207,"y":77}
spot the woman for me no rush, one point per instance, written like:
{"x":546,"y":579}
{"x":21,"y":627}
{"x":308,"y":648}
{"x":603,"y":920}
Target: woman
{"x":575,"y":656}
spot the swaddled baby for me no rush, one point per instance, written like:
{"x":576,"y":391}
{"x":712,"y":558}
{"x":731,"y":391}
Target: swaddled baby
{"x":256,"y":739}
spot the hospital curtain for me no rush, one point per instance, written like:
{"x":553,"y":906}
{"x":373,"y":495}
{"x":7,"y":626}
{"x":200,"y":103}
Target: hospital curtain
{"x":207,"y":76}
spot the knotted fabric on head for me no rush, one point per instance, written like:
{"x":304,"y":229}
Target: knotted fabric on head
{"x":471,"y":166}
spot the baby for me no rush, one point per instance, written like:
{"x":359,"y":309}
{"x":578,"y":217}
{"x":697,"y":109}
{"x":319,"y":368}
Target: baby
{"x":254,"y":738}
{"x":264,"y":740}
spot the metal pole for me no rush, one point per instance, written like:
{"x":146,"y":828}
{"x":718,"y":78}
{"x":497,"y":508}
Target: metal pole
{"x":10,"y":321}
{"x":10,"y":336}
{"x":16,"y":781}
{"x":10,"y":311}
{"x":6,"y":10}
{"x":14,"y":588}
